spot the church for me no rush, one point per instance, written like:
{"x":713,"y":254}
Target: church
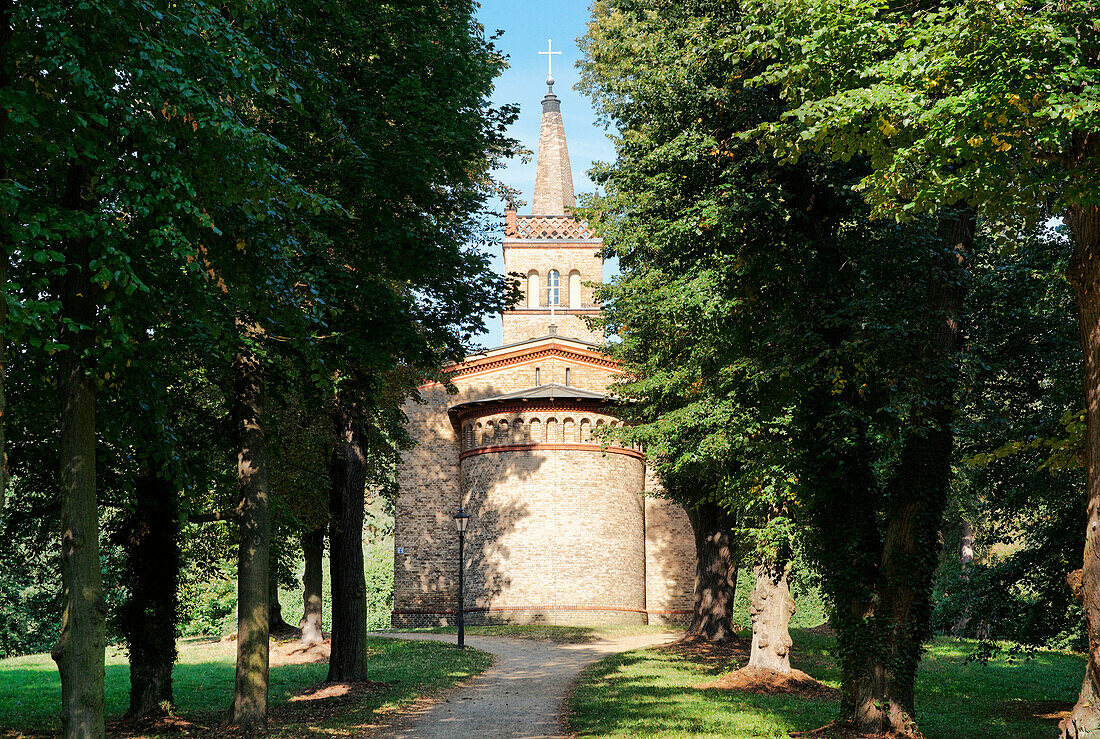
{"x":561,"y":529}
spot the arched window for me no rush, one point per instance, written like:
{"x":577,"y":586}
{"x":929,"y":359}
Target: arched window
{"x":586,"y":430}
{"x":517,"y":431}
{"x":533,"y":289}
{"x":570,"y":431}
{"x":553,"y":288}
{"x":574,"y":289}
{"x":552,"y":435}
{"x":536,"y":429}
{"x":502,"y":432}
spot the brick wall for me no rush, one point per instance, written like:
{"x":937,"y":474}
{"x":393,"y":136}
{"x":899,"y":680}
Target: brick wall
{"x":555,"y":533}
{"x":525,"y":257}
{"x":520,"y":325}
{"x":520,"y":375}
{"x":556,"y":529}
{"x":669,"y":556}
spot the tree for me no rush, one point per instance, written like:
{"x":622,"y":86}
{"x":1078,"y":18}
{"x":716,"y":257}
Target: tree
{"x":991,"y":104}
{"x":107,"y":152}
{"x":400,"y":286}
{"x":231,"y":172}
{"x":249,"y":709}
{"x":774,"y":331}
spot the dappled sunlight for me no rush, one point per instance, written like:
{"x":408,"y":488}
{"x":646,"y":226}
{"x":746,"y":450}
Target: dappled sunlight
{"x":30,"y":688}
{"x":652,"y":692}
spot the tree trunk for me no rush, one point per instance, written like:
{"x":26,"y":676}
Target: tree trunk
{"x":771,"y":608}
{"x":313,"y":549}
{"x":276,"y":623}
{"x":6,"y":243}
{"x":1084,"y":275}
{"x":4,"y":475}
{"x":149,"y":617}
{"x":249,"y":711}
{"x":966,"y":556}
{"x":881,"y":698}
{"x":79,"y":652}
{"x":715,"y":573}
{"x":348,"y":656}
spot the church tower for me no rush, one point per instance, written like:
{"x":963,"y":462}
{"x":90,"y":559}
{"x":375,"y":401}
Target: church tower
{"x":563,"y":525}
{"x":553,"y":253}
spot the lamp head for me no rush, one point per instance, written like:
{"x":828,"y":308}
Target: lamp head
{"x":462,"y":519}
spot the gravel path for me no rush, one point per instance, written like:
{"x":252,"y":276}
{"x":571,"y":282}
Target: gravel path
{"x":521,"y":695}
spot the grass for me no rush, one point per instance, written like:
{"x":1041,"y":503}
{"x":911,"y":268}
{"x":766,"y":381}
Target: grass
{"x":549,"y":633}
{"x":30,"y":690}
{"x":650,"y":692}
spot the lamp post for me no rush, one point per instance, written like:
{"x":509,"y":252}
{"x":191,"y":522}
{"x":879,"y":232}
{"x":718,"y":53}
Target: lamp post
{"x":462,"y":519}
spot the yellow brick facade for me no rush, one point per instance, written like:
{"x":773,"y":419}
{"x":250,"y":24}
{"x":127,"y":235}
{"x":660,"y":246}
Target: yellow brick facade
{"x":563,"y":528}
{"x":532,"y":261}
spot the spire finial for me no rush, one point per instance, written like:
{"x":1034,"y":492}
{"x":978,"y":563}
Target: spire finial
{"x":550,"y":63}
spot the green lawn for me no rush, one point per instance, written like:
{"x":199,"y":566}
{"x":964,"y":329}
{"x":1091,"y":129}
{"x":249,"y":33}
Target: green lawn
{"x":548,"y":633}
{"x":650,"y":692}
{"x":30,"y":690}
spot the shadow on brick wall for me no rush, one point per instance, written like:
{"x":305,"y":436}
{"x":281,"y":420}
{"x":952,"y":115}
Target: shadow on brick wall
{"x":670,"y":561}
{"x":431,"y":589}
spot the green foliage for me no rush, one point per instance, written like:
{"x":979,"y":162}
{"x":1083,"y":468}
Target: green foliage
{"x":208,"y":602}
{"x":970,"y":101}
{"x":30,"y":587}
{"x":692,"y":217}
{"x":1019,"y":417}
{"x":378,"y":569}
{"x":314,"y":170}
{"x":789,"y":357}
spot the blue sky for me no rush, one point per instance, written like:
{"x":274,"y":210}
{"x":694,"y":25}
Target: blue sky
{"x":527,"y":26}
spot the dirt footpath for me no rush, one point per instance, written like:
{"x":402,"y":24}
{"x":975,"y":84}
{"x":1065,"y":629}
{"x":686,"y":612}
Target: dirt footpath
{"x":522,"y":695}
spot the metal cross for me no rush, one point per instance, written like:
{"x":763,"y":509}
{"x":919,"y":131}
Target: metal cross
{"x":549,"y":57}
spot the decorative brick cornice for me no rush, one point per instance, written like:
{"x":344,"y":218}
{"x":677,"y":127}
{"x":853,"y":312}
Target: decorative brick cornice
{"x":557,"y":311}
{"x":540,"y":446}
{"x":585,"y":244}
{"x":558,"y":405}
{"x":485,"y":364}
{"x":547,"y":227}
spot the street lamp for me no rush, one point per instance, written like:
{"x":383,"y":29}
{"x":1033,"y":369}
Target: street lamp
{"x":462,"y":519}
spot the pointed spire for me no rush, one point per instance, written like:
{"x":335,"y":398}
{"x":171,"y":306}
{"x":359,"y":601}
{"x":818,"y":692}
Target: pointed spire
{"x":553,"y":176}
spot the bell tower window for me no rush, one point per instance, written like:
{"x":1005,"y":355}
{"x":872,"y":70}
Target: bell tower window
{"x":553,"y":288}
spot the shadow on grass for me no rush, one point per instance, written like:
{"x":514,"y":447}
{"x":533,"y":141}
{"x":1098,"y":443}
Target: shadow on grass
{"x":651,"y":693}
{"x":30,"y":691}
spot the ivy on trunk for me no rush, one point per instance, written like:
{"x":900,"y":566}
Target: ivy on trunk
{"x":348,"y":472}
{"x":150,"y":537}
